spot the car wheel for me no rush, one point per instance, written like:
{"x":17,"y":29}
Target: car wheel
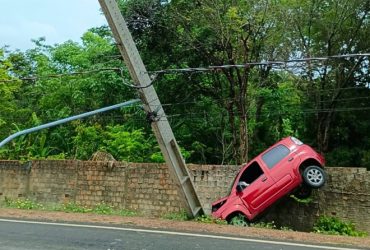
{"x":238,"y":220}
{"x":314,"y":176}
{"x":303,"y":192}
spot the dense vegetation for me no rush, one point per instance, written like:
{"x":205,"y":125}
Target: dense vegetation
{"x":223,"y":116}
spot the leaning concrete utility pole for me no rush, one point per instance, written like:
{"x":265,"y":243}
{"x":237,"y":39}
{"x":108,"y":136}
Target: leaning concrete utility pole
{"x":153,"y":107}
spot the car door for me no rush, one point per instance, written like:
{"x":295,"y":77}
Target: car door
{"x":280,"y":161}
{"x":259,"y":189}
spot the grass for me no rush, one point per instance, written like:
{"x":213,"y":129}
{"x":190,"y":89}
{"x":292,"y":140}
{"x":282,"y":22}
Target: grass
{"x":71,"y":207}
{"x":324,"y":225}
{"x":183,"y":216}
{"x":238,"y":221}
{"x":25,"y":204}
{"x":302,"y":201}
{"x":270,"y":225}
{"x":178,"y":216}
{"x":210,"y":220}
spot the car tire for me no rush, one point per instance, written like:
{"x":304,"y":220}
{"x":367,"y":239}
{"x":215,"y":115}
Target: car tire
{"x":314,"y":176}
{"x":238,"y":220}
{"x":303,"y":192}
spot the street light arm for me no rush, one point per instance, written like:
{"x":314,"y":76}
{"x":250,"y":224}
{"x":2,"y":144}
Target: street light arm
{"x":65,"y":120}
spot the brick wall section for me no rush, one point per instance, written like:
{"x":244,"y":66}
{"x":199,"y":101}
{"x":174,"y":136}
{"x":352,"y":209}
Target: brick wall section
{"x":148,"y":188}
{"x":346,"y":195}
{"x":212,"y":182}
{"x":52,"y":181}
{"x":142,"y":187}
{"x":14,"y":178}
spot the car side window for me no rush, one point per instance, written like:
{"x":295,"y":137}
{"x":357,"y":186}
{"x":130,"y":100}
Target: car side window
{"x":273,"y":156}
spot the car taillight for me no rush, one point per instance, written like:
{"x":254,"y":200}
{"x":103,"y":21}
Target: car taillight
{"x":296,"y":141}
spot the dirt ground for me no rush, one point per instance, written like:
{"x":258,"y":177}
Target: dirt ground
{"x":187,"y":226}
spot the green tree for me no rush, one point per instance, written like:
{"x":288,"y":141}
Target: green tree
{"x":326,"y":28}
{"x":212,"y":32}
{"x":223,"y":116}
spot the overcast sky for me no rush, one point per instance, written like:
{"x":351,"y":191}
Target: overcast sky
{"x":56,"y":20}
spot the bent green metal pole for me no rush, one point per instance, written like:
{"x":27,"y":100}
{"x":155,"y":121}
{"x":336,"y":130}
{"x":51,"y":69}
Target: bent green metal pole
{"x":65,"y":120}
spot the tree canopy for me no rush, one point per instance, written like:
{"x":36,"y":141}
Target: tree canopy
{"x":221,"y":116}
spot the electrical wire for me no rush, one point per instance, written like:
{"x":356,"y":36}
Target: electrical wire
{"x":195,"y":116}
{"x":50,"y":76}
{"x":137,"y":86}
{"x":36,"y":78}
{"x":206,"y":116}
{"x":196,"y":69}
{"x":285,"y":63}
{"x":230,"y":99}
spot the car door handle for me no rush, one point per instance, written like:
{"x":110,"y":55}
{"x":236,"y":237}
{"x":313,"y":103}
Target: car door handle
{"x":264,"y":179}
{"x":291,"y":158}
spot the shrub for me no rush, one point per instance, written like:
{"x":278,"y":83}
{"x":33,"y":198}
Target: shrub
{"x":332,"y":225}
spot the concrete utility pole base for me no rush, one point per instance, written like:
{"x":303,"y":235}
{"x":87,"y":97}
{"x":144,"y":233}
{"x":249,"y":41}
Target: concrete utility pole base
{"x":153,"y":107}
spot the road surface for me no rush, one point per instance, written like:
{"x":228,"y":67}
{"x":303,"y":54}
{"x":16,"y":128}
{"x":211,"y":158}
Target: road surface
{"x":32,"y":235}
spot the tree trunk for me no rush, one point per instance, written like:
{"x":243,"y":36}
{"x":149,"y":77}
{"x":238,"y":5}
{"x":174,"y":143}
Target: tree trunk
{"x":244,"y":141}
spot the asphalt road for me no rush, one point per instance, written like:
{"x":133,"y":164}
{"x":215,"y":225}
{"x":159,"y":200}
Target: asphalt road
{"x":22,"y":235}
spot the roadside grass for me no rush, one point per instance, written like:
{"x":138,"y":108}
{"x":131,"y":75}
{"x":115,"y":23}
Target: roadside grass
{"x":24,"y":204}
{"x":183,"y":216}
{"x":177,"y":216}
{"x":210,"y":220}
{"x":324,"y":225}
{"x":239,"y":221}
{"x":270,"y":225}
{"x":70,"y":207}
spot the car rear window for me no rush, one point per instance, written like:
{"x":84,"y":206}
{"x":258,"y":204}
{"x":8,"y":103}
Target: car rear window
{"x":272,"y":157}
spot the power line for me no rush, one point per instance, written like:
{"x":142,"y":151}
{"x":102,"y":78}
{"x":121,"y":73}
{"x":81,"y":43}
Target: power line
{"x":346,"y":99}
{"x":285,"y":63}
{"x":191,"y":70}
{"x":312,"y":91}
{"x":50,"y":76}
{"x":266,"y":114}
{"x":212,"y":99}
{"x":207,"y":116}
{"x":36,"y":78}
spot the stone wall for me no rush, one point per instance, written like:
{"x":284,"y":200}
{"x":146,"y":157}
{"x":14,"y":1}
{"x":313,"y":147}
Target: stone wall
{"x":346,"y":195}
{"x":148,"y":189}
{"x":142,"y":187}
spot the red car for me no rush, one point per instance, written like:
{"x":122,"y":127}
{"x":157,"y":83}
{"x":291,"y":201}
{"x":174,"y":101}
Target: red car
{"x":288,"y":166}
